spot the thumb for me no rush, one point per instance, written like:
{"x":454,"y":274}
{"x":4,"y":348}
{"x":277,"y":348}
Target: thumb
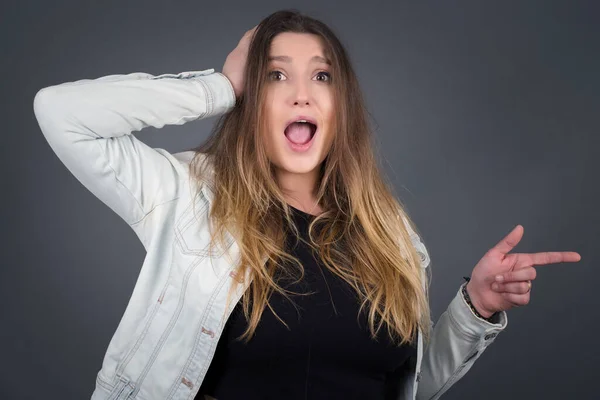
{"x":509,"y":242}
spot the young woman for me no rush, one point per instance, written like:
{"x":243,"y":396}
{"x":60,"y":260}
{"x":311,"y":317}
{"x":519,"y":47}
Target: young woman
{"x":279,"y":264}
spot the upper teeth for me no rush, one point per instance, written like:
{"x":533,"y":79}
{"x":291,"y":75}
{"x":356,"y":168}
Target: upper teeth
{"x":302,"y":120}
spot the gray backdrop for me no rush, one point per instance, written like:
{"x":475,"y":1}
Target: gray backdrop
{"x":486,"y":114}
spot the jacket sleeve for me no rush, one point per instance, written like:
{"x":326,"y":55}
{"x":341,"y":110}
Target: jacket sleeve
{"x":457,"y":341}
{"x":88,"y":124}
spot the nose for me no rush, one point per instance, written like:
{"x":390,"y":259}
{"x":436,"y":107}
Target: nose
{"x":301,"y":94}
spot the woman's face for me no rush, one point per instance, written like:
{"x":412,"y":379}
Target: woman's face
{"x":298,"y":87}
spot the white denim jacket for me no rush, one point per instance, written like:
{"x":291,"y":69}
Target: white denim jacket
{"x":166,"y":338}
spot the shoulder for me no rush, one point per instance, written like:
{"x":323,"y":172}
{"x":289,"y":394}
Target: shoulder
{"x":417,"y":242}
{"x":183,"y":161}
{"x":184,"y":157}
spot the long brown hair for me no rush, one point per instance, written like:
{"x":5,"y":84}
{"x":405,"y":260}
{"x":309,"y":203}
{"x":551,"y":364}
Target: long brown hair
{"x":360,"y":236}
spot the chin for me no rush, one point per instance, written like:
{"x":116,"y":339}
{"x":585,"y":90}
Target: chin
{"x":298,"y":166}
{"x":300,"y":169}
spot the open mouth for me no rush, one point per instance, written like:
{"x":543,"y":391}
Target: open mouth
{"x":300,"y":131}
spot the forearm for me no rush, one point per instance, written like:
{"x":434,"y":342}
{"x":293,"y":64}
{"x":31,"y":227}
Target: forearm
{"x":457,"y":341}
{"x":115,"y":105}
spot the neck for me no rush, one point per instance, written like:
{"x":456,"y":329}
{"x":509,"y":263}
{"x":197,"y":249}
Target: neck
{"x":299,"y":190}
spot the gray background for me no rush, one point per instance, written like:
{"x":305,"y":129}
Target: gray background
{"x":487,"y":117}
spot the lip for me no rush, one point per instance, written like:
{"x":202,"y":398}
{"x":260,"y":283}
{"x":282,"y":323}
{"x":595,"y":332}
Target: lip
{"x":298,"y":117}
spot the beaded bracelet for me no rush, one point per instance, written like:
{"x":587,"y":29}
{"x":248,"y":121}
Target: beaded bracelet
{"x":471,"y":306}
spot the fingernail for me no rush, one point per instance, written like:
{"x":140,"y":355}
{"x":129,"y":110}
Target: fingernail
{"x":499,"y":278}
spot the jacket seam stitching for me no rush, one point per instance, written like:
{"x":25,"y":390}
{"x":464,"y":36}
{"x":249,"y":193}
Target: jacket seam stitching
{"x":209,"y":97}
{"x":452,"y":377}
{"x":197,"y":261}
{"x":462,"y":364}
{"x":230,"y":87}
{"x":173,"y":320}
{"x":117,"y":176}
{"x":214,"y":343}
{"x":153,"y":208}
{"x":459,"y":328}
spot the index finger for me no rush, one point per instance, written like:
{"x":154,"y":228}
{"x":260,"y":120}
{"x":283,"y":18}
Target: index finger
{"x":554,"y":257}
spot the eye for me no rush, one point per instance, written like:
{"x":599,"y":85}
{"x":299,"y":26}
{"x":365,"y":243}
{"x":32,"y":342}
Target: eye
{"x":274,"y":74}
{"x":325,"y":75}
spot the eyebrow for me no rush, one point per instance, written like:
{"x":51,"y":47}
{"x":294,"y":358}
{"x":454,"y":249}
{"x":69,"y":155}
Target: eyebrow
{"x":288,"y":59}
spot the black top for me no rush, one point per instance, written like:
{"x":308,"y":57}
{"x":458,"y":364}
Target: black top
{"x":322,"y":356}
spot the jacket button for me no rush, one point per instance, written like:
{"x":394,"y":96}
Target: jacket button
{"x":490,"y":336}
{"x":187,"y":383}
{"x":208,"y":332}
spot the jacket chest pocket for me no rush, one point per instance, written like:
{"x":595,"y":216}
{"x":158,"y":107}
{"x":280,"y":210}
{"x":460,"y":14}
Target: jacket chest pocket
{"x":192,"y":231}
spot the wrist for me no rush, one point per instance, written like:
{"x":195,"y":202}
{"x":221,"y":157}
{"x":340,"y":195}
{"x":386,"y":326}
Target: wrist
{"x":234,"y":89}
{"x":476,"y":303}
